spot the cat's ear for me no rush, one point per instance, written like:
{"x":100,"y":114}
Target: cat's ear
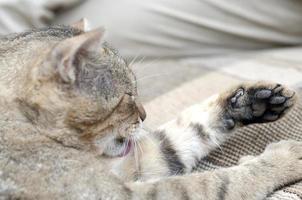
{"x":82,"y":25}
{"x":63,"y":56}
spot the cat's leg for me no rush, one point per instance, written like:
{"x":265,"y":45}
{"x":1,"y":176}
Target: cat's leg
{"x":280,"y":164}
{"x":203,"y":127}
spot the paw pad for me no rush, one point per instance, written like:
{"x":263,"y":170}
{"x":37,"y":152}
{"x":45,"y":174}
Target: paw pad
{"x":259,"y":103}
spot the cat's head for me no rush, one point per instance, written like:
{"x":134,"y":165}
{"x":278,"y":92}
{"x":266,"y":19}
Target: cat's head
{"x":81,"y":86}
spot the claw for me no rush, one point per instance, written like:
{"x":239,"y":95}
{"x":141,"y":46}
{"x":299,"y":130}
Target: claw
{"x":278,"y":88}
{"x":229,"y":123}
{"x":270,"y":117}
{"x":240,"y":92}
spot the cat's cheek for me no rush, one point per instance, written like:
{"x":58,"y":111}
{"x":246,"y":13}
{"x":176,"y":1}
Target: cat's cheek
{"x":98,"y":150}
{"x":98,"y":146}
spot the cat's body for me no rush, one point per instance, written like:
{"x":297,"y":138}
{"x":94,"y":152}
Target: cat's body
{"x":68,"y":108}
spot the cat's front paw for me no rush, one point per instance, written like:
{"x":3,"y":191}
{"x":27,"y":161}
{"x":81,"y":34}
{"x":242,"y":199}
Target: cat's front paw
{"x":279,"y":164}
{"x":285,"y":159}
{"x":258,"y":103}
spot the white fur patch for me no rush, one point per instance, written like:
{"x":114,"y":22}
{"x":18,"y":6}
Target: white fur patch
{"x":190,"y":147}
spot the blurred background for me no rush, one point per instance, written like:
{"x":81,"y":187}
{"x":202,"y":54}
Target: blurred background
{"x":182,"y":51}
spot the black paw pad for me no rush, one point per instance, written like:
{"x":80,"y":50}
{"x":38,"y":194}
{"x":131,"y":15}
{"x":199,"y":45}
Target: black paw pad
{"x":259,"y":104}
{"x":263,"y":94}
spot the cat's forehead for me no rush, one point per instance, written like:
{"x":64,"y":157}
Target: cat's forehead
{"x":104,"y":73}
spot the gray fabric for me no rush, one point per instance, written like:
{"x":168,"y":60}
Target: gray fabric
{"x":252,"y":140}
{"x":18,"y":15}
{"x":178,"y":28}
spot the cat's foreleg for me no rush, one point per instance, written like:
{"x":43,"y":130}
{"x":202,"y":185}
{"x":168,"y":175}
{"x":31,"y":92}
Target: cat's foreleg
{"x":280,"y":164}
{"x":204,"y":126}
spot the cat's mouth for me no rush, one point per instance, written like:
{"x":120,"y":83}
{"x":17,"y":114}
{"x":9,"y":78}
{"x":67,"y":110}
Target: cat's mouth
{"x":120,"y":145}
{"x":127,"y":148}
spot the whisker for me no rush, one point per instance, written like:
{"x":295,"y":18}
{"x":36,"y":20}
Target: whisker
{"x":140,"y":148}
{"x":152,"y":76}
{"x":145,"y":65}
{"x":140,"y":61}
{"x":159,"y":74}
{"x":217,"y":145}
{"x":125,"y":145}
{"x":149,"y":138}
{"x":135,"y":155}
{"x":134,"y":60}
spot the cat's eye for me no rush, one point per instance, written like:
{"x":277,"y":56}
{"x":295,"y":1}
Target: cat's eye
{"x":132,"y":97}
{"x":129,"y":93}
{"x":138,"y":105}
{"x":141,"y":110}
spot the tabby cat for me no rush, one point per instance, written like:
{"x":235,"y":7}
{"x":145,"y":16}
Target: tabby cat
{"x":71,"y":120}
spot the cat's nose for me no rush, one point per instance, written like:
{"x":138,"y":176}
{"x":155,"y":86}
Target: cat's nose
{"x":141,"y":110}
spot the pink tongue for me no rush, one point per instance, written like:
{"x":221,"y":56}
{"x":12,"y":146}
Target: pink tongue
{"x":127,"y":149}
